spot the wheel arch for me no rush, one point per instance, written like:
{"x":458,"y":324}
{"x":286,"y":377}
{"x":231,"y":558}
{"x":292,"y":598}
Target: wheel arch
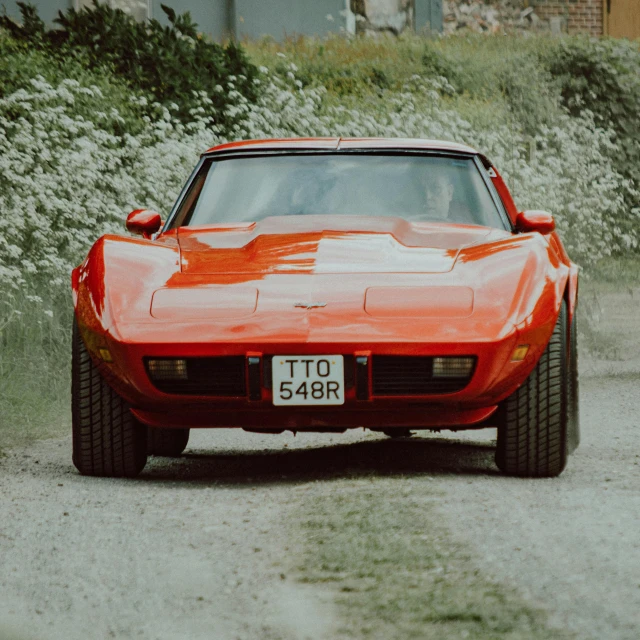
{"x":571,"y":291}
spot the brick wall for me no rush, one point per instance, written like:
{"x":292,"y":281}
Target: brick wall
{"x":572,"y":16}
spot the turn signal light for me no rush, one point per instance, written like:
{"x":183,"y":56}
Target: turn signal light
{"x":167,"y":369}
{"x":520,"y":353}
{"x":453,"y":367}
{"x":105,"y":354}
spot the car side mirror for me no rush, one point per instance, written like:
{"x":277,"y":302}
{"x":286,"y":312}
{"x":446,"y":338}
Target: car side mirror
{"x":540,"y":221}
{"x":143,"y":222}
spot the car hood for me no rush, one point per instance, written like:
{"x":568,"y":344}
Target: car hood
{"x":326,"y":244}
{"x":303,"y":280}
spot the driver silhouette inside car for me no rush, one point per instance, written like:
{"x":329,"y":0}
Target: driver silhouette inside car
{"x":438,"y":194}
{"x":438,"y":203}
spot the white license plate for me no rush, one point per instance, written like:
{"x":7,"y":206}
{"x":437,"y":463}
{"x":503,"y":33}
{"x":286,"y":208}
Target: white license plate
{"x":308,"y":380}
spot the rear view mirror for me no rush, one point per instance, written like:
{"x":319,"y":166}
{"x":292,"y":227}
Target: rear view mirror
{"x":143,"y":222}
{"x":540,"y":221}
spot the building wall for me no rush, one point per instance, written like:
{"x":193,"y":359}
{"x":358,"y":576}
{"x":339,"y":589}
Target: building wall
{"x":47,"y":9}
{"x":279,"y":18}
{"x":212,"y":16}
{"x":276,"y":18}
{"x":429,"y":15}
{"x":575,"y":16}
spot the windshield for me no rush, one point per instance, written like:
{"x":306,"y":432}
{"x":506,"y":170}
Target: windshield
{"x":416,"y":188}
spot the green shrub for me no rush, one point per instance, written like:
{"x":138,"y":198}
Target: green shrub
{"x":174,"y":64}
{"x":124,"y":109}
{"x":603,"y":76}
{"x":79,"y":149}
{"x":34,"y":367}
{"x":505,"y":72}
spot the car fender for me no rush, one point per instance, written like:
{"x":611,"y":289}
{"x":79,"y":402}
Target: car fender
{"x":117,"y":280}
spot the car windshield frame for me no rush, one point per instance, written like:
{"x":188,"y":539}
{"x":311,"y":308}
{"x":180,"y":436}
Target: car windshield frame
{"x":230,"y":154}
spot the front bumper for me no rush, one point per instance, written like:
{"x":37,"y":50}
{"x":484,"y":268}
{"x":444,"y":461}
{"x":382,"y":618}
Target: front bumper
{"x":495,"y":376}
{"x":316,"y":418}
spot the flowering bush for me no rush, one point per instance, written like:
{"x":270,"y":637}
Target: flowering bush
{"x":65,"y":180}
{"x":603,"y":76}
{"x":173,"y":63}
{"x":77,"y":154}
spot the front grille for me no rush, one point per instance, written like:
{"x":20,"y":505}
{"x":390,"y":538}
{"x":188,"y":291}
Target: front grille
{"x":220,"y":376}
{"x":411,"y":376}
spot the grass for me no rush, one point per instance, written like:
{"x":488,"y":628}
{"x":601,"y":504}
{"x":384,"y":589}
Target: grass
{"x":378,"y":544}
{"x":503,"y":76}
{"x":35,"y":363}
{"x":609,"y":310}
{"x":365,"y":65}
{"x":34,"y":402}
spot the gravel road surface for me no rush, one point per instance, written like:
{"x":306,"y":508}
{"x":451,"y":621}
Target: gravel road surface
{"x":200,"y":547}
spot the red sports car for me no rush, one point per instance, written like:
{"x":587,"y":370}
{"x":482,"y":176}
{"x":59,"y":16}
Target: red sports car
{"x":322,"y":285}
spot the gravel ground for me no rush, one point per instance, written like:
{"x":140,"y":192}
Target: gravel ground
{"x":200,"y":547}
{"x":570,"y":544}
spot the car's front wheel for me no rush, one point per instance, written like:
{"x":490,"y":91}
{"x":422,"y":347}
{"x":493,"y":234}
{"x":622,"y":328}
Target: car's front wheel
{"x":107,"y":439}
{"x":167,"y":442}
{"x":532,"y":421}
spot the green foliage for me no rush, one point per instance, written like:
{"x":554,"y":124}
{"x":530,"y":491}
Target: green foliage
{"x":174,"y":64}
{"x":511,"y":70}
{"x":505,"y":72}
{"x":603,"y":76}
{"x":21,"y":64}
{"x":436,"y":62}
{"x":34,"y":368}
{"x":347,"y":68}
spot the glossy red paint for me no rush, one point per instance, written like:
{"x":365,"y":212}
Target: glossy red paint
{"x":391,"y":287}
{"x":335,"y":144}
{"x":143,"y":222}
{"x":540,"y":221}
{"x":505,"y":195}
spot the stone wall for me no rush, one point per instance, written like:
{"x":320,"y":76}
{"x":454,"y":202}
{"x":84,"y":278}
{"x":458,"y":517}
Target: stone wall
{"x":557,"y":16}
{"x":575,"y":16}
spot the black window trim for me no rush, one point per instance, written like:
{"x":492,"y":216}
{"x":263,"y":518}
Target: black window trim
{"x":479,"y":160}
{"x":174,"y":210}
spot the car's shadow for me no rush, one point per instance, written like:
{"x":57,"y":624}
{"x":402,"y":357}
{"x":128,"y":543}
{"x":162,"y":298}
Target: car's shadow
{"x":414,"y":456}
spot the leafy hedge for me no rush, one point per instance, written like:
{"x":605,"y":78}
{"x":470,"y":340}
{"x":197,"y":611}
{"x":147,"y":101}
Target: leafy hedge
{"x":83,"y":143}
{"x":529,"y":83}
{"x":603,"y":77}
{"x":78,"y":149}
{"x":174,"y":64}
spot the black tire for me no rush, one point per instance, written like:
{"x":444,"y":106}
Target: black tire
{"x":532,"y":421}
{"x":573,"y":391}
{"x":107,"y":439}
{"x":167,"y":442}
